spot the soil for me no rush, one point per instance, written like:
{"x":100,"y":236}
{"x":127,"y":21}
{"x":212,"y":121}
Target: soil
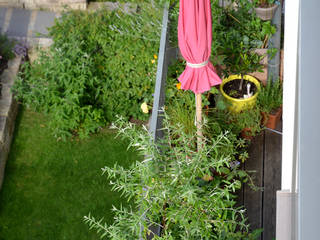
{"x":3,"y":66}
{"x":232,"y":88}
{"x":265,"y":5}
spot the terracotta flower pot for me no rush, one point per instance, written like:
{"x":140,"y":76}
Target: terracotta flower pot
{"x":266,"y":13}
{"x":246,"y":133}
{"x":271,"y":120}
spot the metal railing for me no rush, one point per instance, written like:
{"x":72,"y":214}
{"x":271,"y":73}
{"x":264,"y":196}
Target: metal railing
{"x":164,"y":56}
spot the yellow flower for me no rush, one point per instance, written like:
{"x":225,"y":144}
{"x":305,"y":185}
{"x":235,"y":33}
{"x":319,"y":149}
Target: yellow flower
{"x":178,"y":85}
{"x":144,"y":108}
{"x":155,"y":56}
{"x":153,"y":61}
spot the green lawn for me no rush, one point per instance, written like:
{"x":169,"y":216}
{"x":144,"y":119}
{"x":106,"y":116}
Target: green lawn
{"x":49,"y":186}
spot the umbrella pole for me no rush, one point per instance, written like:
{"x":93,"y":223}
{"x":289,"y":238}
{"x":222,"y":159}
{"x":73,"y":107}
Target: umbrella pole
{"x":199,"y":120}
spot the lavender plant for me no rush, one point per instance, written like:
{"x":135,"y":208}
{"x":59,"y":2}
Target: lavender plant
{"x":21,"y":49}
{"x":189,"y":194}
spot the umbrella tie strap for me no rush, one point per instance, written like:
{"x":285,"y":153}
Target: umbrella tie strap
{"x":197,"y":65}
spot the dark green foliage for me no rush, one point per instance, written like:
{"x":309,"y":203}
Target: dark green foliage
{"x":249,"y":118}
{"x":236,"y":34}
{"x":6,"y":47}
{"x":101,"y":64}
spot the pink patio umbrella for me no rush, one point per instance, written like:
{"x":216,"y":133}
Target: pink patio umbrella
{"x":195,"y":37}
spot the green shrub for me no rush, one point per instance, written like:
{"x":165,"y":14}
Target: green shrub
{"x":6,"y":47}
{"x":236,"y":34}
{"x":189,"y":193}
{"x":250,"y":119}
{"x":100,"y":64}
{"x":270,"y":96}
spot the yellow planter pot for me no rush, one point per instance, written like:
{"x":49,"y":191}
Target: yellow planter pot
{"x":238,"y":105}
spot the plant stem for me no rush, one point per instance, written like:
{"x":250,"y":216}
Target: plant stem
{"x":199,"y":120}
{"x":241,"y":83}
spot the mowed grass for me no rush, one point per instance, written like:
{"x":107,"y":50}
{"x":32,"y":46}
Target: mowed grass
{"x":50,"y":185}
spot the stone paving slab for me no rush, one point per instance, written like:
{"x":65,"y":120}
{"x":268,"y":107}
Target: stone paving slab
{"x":30,"y":26}
{"x":42,"y":22}
{"x":2,"y":17}
{"x":19,"y":23}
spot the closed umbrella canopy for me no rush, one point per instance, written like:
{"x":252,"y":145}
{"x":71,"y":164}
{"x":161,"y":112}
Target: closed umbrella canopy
{"x":195,"y":38}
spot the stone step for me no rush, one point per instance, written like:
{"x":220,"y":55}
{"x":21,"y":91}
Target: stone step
{"x":30,"y":26}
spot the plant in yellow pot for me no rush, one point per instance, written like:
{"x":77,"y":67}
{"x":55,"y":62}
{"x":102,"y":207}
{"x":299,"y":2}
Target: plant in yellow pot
{"x":241,"y":90}
{"x":240,"y":99}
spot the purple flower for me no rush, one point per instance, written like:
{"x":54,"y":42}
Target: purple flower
{"x":21,"y":49}
{"x":234,"y":164}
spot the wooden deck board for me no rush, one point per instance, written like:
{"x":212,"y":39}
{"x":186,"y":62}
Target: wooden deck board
{"x":265,"y":160}
{"x":272,"y":182}
{"x":253,"y":199}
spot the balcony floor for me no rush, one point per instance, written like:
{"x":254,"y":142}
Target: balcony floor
{"x":265,"y":160}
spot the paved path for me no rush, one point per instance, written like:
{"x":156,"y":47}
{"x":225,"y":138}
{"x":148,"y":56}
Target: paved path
{"x":27,"y":25}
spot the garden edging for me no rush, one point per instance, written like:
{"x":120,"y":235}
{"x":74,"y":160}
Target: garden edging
{"x":8,"y":112}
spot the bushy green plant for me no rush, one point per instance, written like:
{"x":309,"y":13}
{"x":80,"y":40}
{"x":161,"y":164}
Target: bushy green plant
{"x":6,"y":47}
{"x":236,"y":33}
{"x":183,"y":114}
{"x":190,"y":194}
{"x":100,"y":64}
{"x":247,"y":119}
{"x":270,"y":96}
{"x":173,"y":24}
{"x":224,"y":120}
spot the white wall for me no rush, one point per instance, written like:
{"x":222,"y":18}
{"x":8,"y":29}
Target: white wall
{"x":309,"y":121}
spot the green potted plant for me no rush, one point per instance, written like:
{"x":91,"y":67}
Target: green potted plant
{"x":265,"y":9}
{"x":235,"y":27}
{"x":270,"y":103}
{"x":241,"y":89}
{"x":246,"y":122}
{"x":235,"y":39}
